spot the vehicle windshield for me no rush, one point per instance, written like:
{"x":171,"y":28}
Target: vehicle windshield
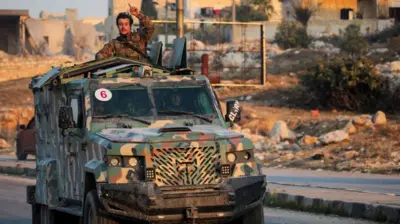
{"x":155,"y":101}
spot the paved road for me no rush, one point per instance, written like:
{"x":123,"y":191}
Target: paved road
{"x":14,"y":210}
{"x":348,"y":180}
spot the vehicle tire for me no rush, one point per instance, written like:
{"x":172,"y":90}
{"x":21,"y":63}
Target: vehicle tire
{"x":35,"y":213}
{"x":20,"y":155}
{"x":47,"y":216}
{"x":254,"y":216}
{"x":90,"y":212}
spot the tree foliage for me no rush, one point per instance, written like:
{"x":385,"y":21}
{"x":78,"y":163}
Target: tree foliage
{"x":149,"y":9}
{"x":292,"y":35}
{"x":258,"y":10}
{"x":353,"y":42}
{"x":351,"y":84}
{"x":303,"y":10}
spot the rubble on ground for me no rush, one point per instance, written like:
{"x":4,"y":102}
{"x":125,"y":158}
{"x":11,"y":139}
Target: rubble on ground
{"x":4,"y":144}
{"x":325,"y":47}
{"x":281,"y":146}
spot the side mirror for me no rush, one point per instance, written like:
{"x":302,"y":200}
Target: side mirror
{"x":66,"y":118}
{"x":232,"y":111}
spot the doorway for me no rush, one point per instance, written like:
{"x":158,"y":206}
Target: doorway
{"x":394,"y":13}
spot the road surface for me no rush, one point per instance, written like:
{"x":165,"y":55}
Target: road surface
{"x":14,"y":210}
{"x":387,"y":184}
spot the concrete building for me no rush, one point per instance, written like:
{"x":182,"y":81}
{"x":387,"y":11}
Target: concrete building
{"x":12,"y":31}
{"x":51,"y":34}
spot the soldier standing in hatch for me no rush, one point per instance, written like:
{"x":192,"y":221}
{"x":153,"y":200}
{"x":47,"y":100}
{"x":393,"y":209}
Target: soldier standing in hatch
{"x":129,"y":44}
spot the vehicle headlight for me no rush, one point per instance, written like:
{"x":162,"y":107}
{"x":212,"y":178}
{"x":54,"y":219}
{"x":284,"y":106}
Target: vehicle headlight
{"x":132,"y":162}
{"x":231,"y":157}
{"x":114,"y":162}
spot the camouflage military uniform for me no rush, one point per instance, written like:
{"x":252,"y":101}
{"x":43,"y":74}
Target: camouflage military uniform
{"x":124,"y":46}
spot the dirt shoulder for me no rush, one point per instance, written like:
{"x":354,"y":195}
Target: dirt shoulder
{"x":367,"y":148}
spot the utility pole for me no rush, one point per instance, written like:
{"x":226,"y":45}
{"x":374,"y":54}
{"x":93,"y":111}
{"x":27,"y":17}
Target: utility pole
{"x":233,"y":20}
{"x":179,"y":17}
{"x":166,"y":24}
{"x":233,"y":11}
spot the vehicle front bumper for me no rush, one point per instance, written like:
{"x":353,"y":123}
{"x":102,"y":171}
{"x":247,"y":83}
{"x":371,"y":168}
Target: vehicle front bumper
{"x":145,"y":201}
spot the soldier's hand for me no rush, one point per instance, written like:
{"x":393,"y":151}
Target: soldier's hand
{"x":133,"y":10}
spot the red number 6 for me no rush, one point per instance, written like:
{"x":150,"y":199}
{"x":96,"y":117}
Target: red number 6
{"x":103,"y":94}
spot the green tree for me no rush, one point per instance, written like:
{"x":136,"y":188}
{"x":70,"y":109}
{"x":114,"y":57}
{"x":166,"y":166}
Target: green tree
{"x":264,"y":6}
{"x":352,"y":41}
{"x":303,"y":10}
{"x":258,"y":10}
{"x":291,"y":35}
{"x":148,"y":8}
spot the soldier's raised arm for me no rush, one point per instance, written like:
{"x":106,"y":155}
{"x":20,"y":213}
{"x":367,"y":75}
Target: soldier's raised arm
{"x":146,"y":26}
{"x":105,"y":52}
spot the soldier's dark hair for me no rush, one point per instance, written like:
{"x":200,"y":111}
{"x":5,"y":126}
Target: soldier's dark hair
{"x":124,"y":15}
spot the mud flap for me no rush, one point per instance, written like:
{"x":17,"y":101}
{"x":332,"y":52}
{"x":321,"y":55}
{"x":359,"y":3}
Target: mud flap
{"x":46,"y":183}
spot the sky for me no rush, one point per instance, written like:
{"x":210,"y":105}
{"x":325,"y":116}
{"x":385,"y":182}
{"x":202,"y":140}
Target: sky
{"x":86,"y":8}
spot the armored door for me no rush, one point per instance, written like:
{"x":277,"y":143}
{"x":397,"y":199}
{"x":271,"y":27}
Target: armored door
{"x":72,"y":147}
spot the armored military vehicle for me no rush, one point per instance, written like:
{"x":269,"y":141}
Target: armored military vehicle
{"x":123,"y":141}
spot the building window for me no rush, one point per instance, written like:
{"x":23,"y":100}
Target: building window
{"x":46,"y":38}
{"x":347,"y":14}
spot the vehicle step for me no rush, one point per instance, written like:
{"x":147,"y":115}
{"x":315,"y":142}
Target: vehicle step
{"x":72,"y":209}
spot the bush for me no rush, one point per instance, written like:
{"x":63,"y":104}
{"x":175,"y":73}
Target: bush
{"x":335,"y":40}
{"x":347,"y":84}
{"x":384,"y":35}
{"x":292,"y":35}
{"x":244,"y":13}
{"x":353,"y":42}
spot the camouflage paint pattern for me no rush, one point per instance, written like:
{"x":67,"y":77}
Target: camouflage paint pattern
{"x":47,"y":170}
{"x":192,"y":157}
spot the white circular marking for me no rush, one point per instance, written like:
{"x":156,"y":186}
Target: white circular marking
{"x":103,"y":94}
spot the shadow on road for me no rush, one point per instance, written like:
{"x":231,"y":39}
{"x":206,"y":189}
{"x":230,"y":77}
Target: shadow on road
{"x":16,"y":221}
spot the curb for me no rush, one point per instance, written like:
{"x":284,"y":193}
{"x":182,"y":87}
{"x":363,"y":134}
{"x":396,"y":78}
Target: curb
{"x":380,"y":213}
{"x":18,"y":171}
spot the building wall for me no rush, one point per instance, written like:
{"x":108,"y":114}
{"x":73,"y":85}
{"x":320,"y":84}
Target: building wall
{"x":55,"y":31}
{"x":330,"y":9}
{"x":394,"y":3}
{"x":367,"y":8}
{"x":9,"y":34}
{"x":71,"y":14}
{"x":277,"y":15}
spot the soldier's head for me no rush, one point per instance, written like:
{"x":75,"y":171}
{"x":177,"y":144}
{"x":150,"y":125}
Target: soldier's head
{"x":124,"y":22}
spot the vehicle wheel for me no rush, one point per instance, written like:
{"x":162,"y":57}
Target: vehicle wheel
{"x":46,"y":215}
{"x":35,"y":213}
{"x":90,"y":212}
{"x":21,"y":156}
{"x":255,"y":216}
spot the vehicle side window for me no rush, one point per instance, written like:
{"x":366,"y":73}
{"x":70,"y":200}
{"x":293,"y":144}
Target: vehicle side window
{"x":76,"y":105}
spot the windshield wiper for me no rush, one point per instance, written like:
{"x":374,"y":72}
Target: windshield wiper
{"x":122,"y":116}
{"x":177,"y":112}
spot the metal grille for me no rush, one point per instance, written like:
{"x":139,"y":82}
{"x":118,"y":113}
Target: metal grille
{"x":186,"y":166}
